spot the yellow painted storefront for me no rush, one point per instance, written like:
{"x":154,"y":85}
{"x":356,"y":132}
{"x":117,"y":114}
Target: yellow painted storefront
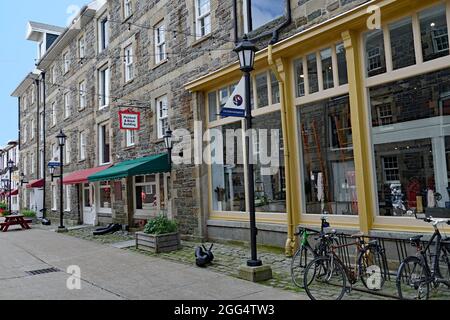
{"x":347,"y":29}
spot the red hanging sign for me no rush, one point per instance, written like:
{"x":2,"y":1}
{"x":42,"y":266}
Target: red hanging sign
{"x":130,"y":120}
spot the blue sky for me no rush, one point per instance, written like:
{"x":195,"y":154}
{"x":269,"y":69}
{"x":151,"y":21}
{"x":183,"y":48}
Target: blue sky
{"x":17,"y":54}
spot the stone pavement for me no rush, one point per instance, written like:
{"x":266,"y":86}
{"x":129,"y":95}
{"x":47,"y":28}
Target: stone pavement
{"x":110,"y":273}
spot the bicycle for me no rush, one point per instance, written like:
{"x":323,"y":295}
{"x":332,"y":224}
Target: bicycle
{"x":326,"y":276}
{"x":306,"y":253}
{"x":415,"y":276}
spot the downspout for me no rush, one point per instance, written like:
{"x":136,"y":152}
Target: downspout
{"x":291,"y":241}
{"x":44,"y":133}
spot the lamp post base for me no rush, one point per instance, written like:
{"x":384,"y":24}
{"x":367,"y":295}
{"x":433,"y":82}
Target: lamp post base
{"x":255,"y":274}
{"x":62,"y":230}
{"x":254,"y":263}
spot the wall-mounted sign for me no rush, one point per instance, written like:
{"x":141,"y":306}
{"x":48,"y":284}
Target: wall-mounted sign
{"x":235,"y":106}
{"x":129,"y":120}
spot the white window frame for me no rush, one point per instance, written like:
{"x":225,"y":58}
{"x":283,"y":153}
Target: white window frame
{"x":68,"y":152}
{"x":25,"y":133}
{"x":200,"y":26}
{"x":67,"y":198}
{"x":32,"y":128}
{"x":54,"y":75}
{"x":54,"y":118}
{"x":162,"y":111}
{"x":82,"y":153}
{"x":99,"y":205}
{"x":160,"y":42}
{"x":66,"y":62}
{"x":103,"y":33}
{"x":127,"y":8}
{"x":155,"y":184}
{"x":67,"y":112}
{"x":104,"y":86}
{"x":82,"y":47}
{"x":128,"y":63}
{"x":24,"y":103}
{"x":82,"y":94}
{"x":54,"y":197}
{"x":130,"y":136}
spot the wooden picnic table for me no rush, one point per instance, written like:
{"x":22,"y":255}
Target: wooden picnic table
{"x":15,"y":220}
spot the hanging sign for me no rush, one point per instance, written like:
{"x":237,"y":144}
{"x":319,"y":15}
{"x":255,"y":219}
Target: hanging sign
{"x":129,"y":120}
{"x":235,"y":106}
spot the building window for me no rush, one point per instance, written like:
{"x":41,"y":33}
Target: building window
{"x":203,"y":17}
{"x":32,"y":128}
{"x":82,"y":93}
{"x":327,"y":68}
{"x":342,"y":64}
{"x":391,"y":169}
{"x":162,"y":116}
{"x":329,"y":173}
{"x":262,"y":13}
{"x":66,"y":105}
{"x":25,"y":133}
{"x":312,"y":73}
{"x":82,"y":146}
{"x":33,"y":93}
{"x":275,"y":87}
{"x":130,"y":137}
{"x":212,"y":106}
{"x":54,"y":75}
{"x":105,"y":195}
{"x":402,"y":44}
{"x":33,"y":163}
{"x":66,"y":62}
{"x":104,"y":81}
{"x":129,"y":67}
{"x":104,"y":145}
{"x":67,"y":198}
{"x":160,"y":43}
{"x":24,"y":103}
{"x":81,"y":47}
{"x":53,"y":113}
{"x":375,"y":58}
{"x":68,"y":152}
{"x":299,"y":78}
{"x":434,"y":32}
{"x":127,"y":9}
{"x":146,"y":193}
{"x":54,"y":197}
{"x":103,"y":33}
{"x":261,"y":90}
{"x":41,"y":126}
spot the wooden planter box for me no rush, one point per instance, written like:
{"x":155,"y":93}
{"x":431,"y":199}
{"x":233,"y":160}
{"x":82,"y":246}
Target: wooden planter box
{"x":158,"y":243}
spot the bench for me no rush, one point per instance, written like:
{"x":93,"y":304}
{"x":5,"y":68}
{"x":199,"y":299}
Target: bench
{"x":15,"y":220}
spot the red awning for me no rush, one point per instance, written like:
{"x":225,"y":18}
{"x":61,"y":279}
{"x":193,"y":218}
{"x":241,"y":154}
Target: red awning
{"x":35,"y":184}
{"x":13,"y":193}
{"x":82,"y":175}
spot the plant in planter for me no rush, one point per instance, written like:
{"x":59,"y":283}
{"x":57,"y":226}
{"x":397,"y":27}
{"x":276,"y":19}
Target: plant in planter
{"x":30,"y":214}
{"x":160,"y":235}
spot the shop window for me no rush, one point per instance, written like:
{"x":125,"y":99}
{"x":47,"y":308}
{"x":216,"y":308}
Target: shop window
{"x":375,"y":57}
{"x":312,"y":73}
{"x":212,"y":106}
{"x":261,"y":90}
{"x":146,"y":193}
{"x":227,"y":170}
{"x":275,"y":87}
{"x":342,"y":64}
{"x":269,"y":169}
{"x":299,"y":78}
{"x":434,"y":33}
{"x":105,"y":195}
{"x":327,"y":68}
{"x":402,"y":44}
{"x":416,"y":98}
{"x":329,"y":173}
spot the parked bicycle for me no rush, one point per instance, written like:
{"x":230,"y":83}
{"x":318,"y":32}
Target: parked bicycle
{"x":427,"y":269}
{"x":327,"y":277}
{"x":306,"y":253}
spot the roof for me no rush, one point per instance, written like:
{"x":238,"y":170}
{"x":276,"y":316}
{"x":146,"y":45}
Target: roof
{"x":24,"y":85}
{"x":36,"y":29}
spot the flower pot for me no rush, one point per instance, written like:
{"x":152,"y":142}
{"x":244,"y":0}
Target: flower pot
{"x":158,"y":243}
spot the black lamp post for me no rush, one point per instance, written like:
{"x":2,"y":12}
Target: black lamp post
{"x":61,"y":141}
{"x":246,"y":51}
{"x":168,"y":139}
{"x":10,"y":168}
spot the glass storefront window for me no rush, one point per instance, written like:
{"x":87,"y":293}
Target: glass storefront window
{"x":342,"y":64}
{"x":212,"y":106}
{"x":227,"y":172}
{"x":402,"y":44}
{"x":417,"y":98}
{"x":275,"y":86}
{"x":146,"y":192}
{"x":312,"y":73}
{"x":105,"y":195}
{"x":269,"y":169}
{"x":375,"y":57}
{"x":299,"y":78}
{"x":434,"y":32}
{"x":328,"y":163}
{"x":262,"y":90}
{"x":327,"y":68}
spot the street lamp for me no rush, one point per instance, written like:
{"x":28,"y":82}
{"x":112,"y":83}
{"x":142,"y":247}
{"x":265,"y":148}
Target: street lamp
{"x":10,"y":168}
{"x":168,"y":139}
{"x":246,"y":51}
{"x":61,"y":141}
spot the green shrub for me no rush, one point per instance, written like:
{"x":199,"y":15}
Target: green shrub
{"x":160,"y":225}
{"x":3,"y":206}
{"x":28,"y":213}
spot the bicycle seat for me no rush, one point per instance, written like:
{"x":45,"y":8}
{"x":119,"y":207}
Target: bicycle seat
{"x":357,"y":235}
{"x":415,"y":239}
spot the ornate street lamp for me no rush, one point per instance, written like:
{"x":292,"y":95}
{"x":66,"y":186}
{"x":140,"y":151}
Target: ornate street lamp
{"x":246,"y":51}
{"x":168,"y":139}
{"x":11,"y":165}
{"x":61,"y":141}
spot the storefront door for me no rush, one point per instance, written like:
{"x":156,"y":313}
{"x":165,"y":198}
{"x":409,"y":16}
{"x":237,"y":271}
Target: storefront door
{"x":89,"y":212}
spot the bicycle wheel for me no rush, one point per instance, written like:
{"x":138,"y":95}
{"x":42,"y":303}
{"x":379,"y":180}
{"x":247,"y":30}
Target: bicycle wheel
{"x":324,"y":279}
{"x":372,"y":267}
{"x":412,"y":280}
{"x":444,"y":267}
{"x":303,"y":256}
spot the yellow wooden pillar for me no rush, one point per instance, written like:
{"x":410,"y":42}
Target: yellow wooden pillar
{"x":360,"y":130}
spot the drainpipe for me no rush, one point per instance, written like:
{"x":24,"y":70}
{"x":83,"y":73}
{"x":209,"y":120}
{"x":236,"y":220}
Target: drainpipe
{"x":291,"y":240}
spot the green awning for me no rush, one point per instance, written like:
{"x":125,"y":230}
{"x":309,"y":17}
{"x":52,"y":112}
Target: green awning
{"x":136,"y":167}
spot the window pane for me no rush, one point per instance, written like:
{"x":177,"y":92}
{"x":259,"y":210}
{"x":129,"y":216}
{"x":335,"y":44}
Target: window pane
{"x":105,"y":197}
{"x":146,"y":197}
{"x":269,"y":169}
{"x":328,"y":162}
{"x":375,"y":58}
{"x":87,"y":197}
{"x":275,"y":89}
{"x":342,"y":64}
{"x":433,"y":27}
{"x":312,"y":73}
{"x":265,"y":11}
{"x":262,"y":90}
{"x":299,"y":78}
{"x":402,"y":44}
{"x":212,"y":106}
{"x":327,"y":68}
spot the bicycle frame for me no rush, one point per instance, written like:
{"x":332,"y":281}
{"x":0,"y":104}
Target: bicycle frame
{"x":350,"y":273}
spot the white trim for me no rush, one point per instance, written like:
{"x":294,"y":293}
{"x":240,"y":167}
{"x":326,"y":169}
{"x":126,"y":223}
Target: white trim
{"x":162,"y":114}
{"x":128,"y":63}
{"x":160,"y":42}
{"x":199,"y":18}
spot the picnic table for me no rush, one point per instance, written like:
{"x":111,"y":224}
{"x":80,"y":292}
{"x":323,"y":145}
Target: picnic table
{"x":15,"y":220}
